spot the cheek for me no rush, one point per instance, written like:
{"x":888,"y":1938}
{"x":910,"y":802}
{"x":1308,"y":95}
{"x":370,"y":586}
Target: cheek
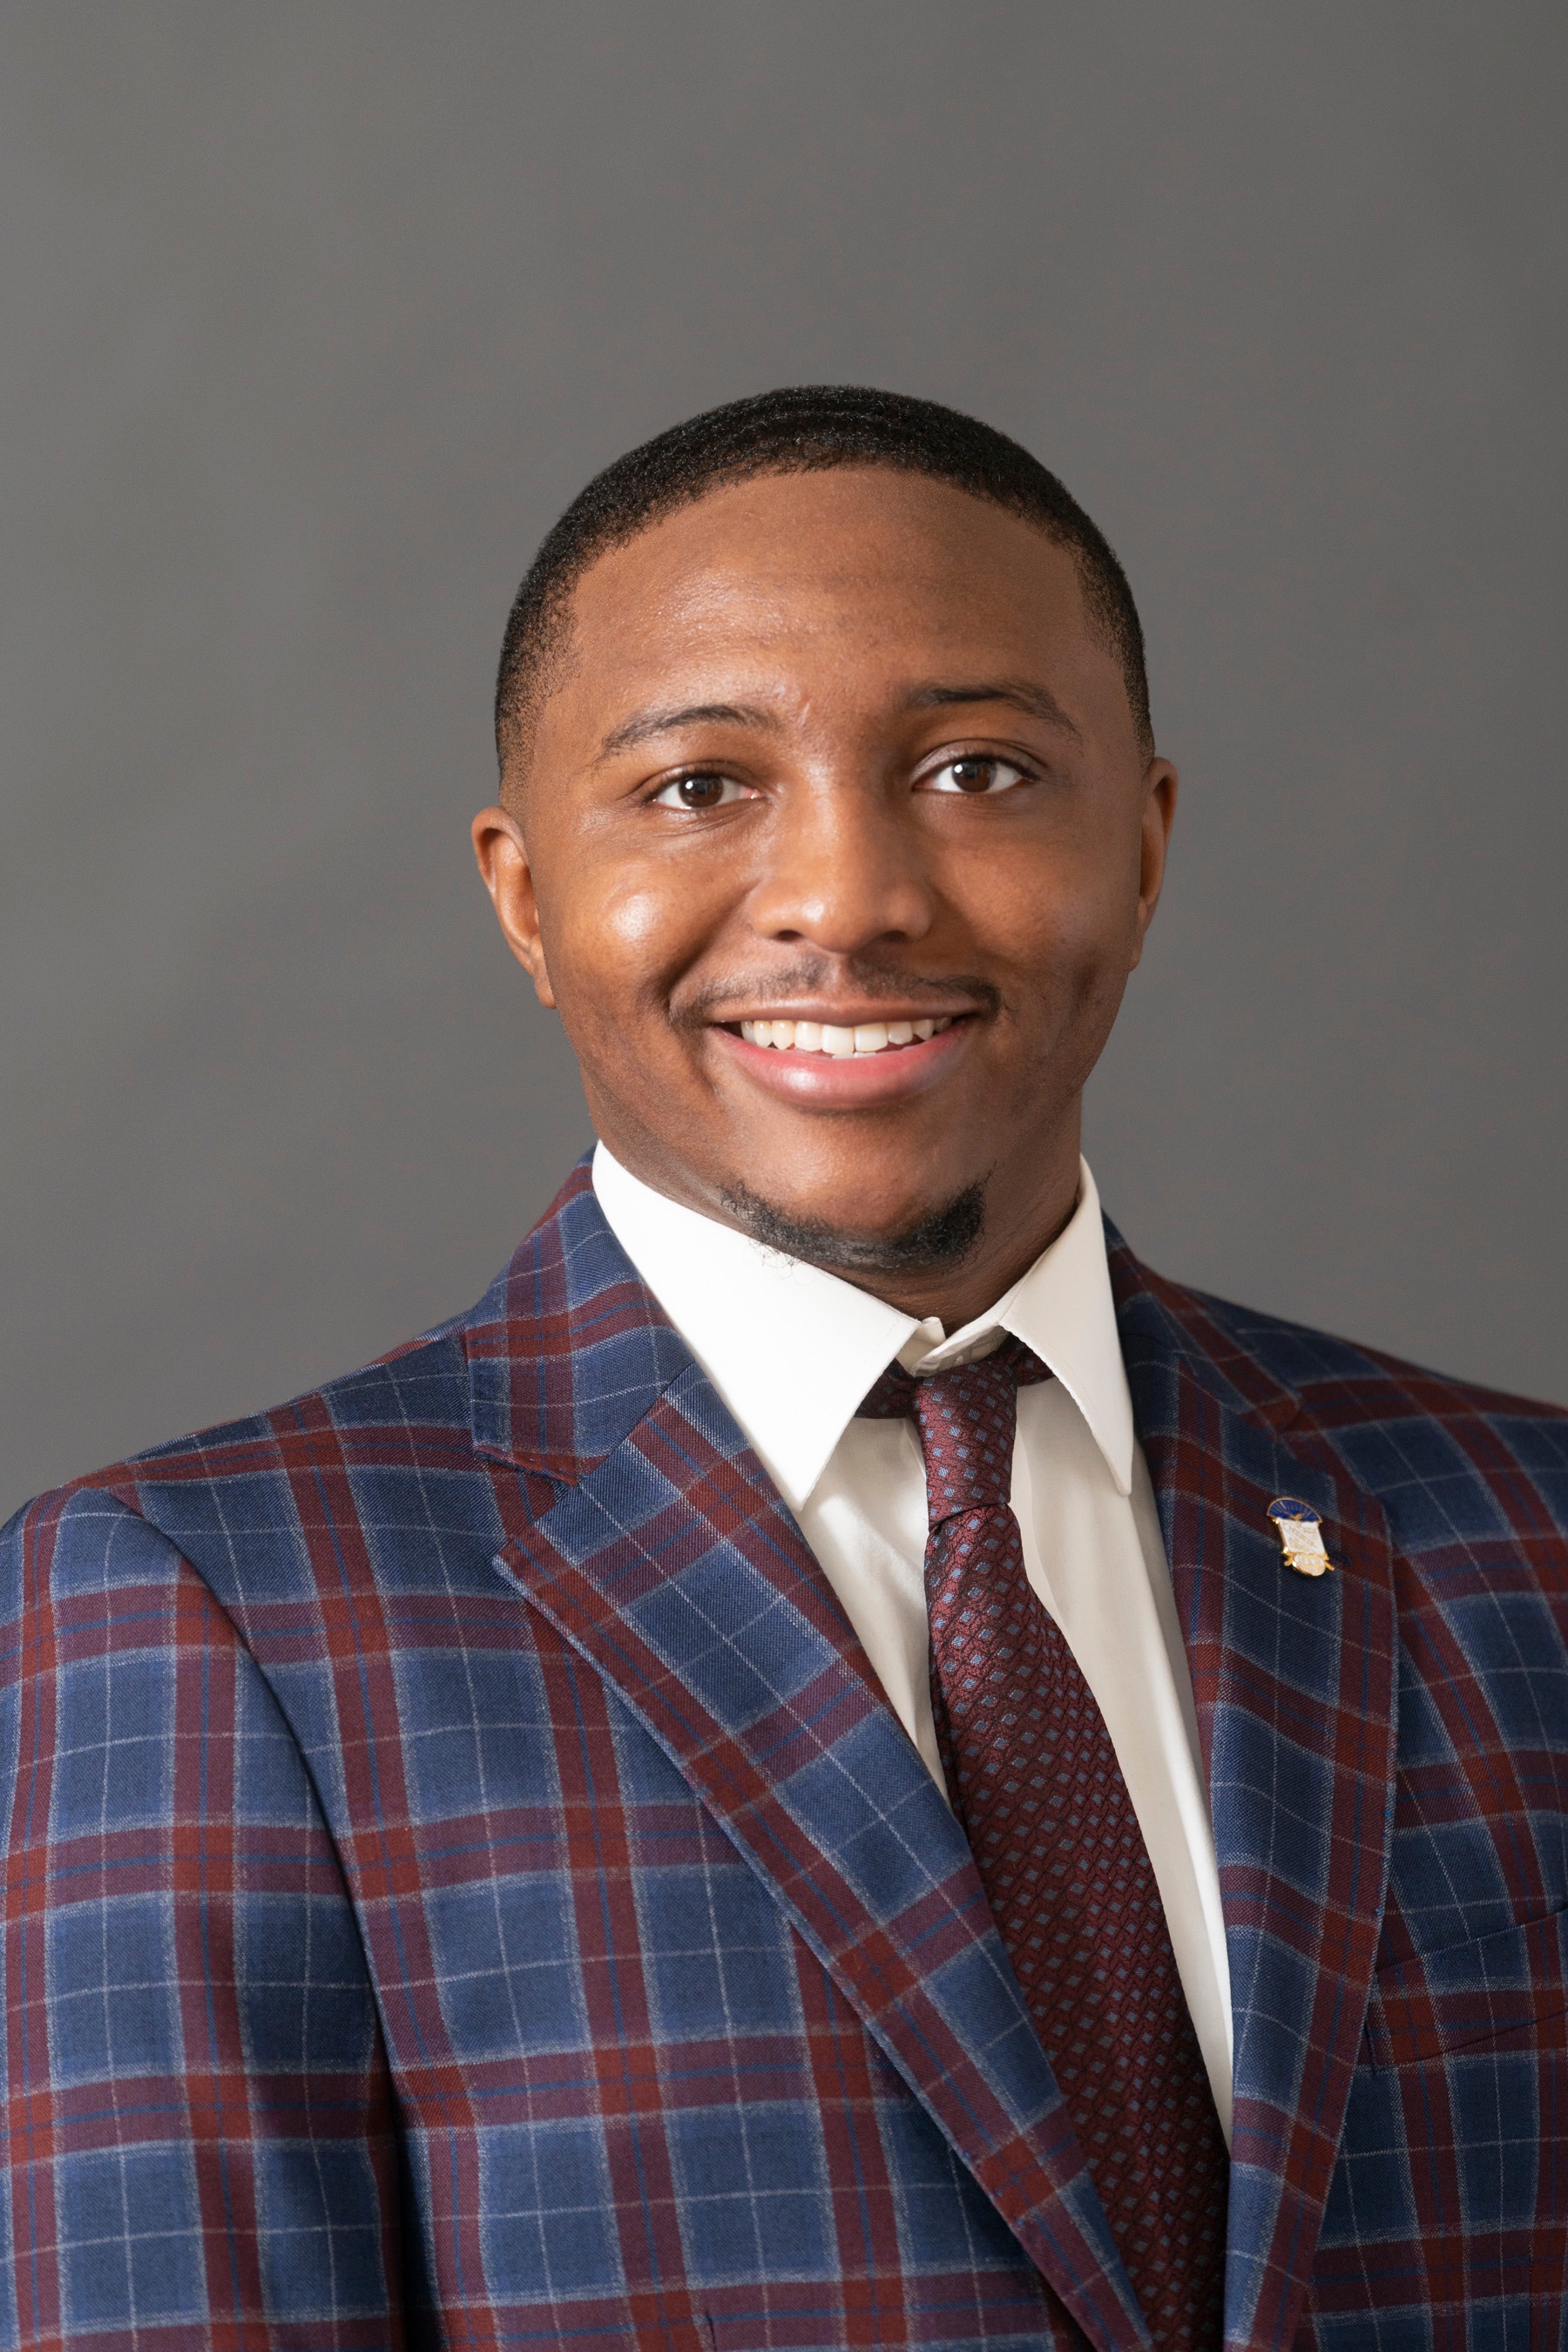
{"x":629,"y":925}
{"x":1066,"y":920}
{"x":616,"y":936}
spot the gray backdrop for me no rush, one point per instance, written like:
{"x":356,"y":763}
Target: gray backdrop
{"x":315,"y":315}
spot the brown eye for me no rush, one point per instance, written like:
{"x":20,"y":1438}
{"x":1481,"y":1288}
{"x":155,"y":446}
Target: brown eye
{"x":700,"y":790}
{"x":975,"y":773}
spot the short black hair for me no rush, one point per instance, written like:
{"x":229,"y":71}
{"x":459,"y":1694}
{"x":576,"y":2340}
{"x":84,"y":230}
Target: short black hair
{"x":804,"y":429}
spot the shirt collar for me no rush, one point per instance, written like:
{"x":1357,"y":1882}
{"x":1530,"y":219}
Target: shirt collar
{"x":793,"y":1350}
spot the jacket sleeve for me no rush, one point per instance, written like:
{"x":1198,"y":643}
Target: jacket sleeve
{"x":199,"y":2138}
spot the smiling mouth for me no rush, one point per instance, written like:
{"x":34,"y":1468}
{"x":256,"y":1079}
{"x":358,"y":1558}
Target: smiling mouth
{"x":859,"y":1044}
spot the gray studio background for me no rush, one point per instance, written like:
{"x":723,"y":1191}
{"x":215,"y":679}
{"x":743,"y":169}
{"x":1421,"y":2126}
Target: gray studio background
{"x":314,"y":316}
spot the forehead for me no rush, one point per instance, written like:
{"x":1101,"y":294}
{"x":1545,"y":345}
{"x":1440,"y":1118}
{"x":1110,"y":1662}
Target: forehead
{"x":849,"y":574}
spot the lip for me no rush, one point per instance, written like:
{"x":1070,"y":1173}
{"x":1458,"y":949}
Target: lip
{"x":850,"y":1015}
{"x":820,"y":1082}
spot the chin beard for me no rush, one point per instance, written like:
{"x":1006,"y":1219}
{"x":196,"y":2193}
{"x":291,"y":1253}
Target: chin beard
{"x":935,"y":1241}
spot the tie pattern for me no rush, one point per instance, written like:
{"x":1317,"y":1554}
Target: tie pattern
{"x":1033,"y":1779}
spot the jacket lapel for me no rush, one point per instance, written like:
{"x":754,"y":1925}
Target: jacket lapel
{"x":672,"y":1565}
{"x":1295,"y":1683}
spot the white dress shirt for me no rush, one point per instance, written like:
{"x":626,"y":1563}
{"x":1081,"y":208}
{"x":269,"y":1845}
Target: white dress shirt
{"x":792,"y":1351}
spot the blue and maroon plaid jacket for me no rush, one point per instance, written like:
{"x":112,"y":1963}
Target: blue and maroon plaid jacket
{"x":463,"y":1885}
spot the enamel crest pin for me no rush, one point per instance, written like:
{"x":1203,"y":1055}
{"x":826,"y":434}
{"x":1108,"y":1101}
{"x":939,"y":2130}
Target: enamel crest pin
{"x":1301,"y":1533}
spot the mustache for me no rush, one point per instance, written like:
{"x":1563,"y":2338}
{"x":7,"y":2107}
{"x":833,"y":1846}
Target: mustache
{"x":829,"y":976}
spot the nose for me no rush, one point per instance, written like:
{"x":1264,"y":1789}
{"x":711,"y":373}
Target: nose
{"x":845,"y":871}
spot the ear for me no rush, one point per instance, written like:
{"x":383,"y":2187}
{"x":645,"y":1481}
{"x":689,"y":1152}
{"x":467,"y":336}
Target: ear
{"x":1161,"y":784}
{"x":502,"y":856}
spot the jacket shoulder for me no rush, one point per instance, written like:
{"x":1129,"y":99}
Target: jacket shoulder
{"x":416,"y":1394}
{"x":1341,"y":1382}
{"x":1451,"y":1462}
{"x":236,"y":1499}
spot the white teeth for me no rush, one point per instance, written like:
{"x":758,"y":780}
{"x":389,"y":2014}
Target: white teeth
{"x":824,"y":1038}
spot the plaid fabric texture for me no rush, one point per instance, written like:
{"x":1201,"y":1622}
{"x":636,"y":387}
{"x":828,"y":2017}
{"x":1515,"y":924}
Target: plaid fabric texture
{"x":463,"y":1886}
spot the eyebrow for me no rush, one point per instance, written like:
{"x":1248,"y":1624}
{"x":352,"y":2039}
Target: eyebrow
{"x":1021,"y":693}
{"x":646,"y":723}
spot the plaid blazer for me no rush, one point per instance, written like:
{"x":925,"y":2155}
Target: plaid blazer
{"x":463,"y":1885}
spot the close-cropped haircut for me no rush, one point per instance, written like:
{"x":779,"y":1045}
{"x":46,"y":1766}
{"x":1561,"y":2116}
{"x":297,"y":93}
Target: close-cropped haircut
{"x":807,"y":428}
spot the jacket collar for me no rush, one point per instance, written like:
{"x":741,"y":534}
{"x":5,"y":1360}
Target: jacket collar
{"x":568,"y":1348}
{"x":1294,"y":1682}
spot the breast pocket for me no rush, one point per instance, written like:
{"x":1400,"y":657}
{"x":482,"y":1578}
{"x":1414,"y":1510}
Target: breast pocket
{"x":1506,"y":1992}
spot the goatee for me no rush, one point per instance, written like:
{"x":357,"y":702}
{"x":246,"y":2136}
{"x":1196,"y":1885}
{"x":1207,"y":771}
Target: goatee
{"x":940,"y":1239}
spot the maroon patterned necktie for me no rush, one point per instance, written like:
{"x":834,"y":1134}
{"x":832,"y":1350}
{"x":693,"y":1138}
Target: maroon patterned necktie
{"x":1034,"y":1780}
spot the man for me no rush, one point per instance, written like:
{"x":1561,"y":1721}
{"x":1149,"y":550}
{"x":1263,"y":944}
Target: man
{"x":836,"y":1763}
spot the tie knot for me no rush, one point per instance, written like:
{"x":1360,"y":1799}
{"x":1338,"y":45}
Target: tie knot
{"x":966,"y":1418}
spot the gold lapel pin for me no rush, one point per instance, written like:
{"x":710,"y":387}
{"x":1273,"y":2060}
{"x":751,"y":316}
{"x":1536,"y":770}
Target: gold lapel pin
{"x":1301,"y":1533}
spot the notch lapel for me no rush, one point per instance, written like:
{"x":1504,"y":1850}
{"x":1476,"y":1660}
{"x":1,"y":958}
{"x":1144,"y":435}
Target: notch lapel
{"x":1295,"y":1683}
{"x":672,"y":1565}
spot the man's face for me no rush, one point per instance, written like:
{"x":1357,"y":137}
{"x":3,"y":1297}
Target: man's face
{"x":841,"y":750}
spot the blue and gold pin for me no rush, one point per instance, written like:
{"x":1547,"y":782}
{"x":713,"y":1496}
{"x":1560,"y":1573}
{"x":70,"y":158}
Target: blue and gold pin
{"x":1301,"y":1533}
